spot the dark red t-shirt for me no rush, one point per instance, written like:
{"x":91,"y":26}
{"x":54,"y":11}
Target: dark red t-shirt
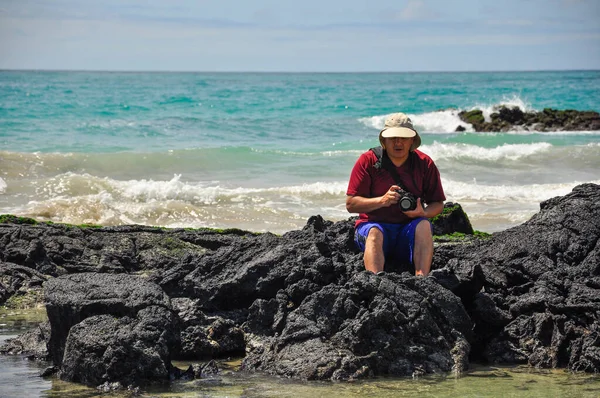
{"x":369,"y":182}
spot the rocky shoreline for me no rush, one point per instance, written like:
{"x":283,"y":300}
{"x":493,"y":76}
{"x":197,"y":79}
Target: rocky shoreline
{"x":123,"y":302}
{"x":511,"y":118}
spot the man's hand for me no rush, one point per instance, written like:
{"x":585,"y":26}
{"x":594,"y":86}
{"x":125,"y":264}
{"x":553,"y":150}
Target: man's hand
{"x":391,"y":197}
{"x":419,"y":211}
{"x":359,"y":204}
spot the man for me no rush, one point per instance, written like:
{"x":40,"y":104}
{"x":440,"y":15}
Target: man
{"x":383,"y":231}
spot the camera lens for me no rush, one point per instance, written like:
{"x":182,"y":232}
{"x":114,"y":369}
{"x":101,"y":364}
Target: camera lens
{"x":406,"y":203}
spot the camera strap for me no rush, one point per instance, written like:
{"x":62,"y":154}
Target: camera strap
{"x":383,"y":161}
{"x":387,"y":164}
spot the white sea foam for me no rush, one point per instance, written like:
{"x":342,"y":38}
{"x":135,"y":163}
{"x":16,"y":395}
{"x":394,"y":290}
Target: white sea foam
{"x":342,"y":153}
{"x":571,"y":133}
{"x":375,"y":122}
{"x":147,"y":191}
{"x":174,"y":189}
{"x":310,"y":154}
{"x":316,"y":189}
{"x":510,"y":102}
{"x":445,"y":121}
{"x":105,"y":190}
{"x":3,"y":185}
{"x":439,"y":151}
{"x":82,"y":198}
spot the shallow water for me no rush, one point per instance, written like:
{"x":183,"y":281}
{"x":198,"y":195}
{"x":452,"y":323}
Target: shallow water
{"x":20,"y":378}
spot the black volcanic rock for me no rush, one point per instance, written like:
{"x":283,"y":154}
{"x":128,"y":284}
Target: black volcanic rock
{"x":58,"y":249}
{"x":371,"y":325}
{"x":107,"y":328}
{"x":309,"y":293}
{"x":18,"y":281}
{"x":453,"y":219}
{"x":541,"y":291}
{"x":205,"y":335}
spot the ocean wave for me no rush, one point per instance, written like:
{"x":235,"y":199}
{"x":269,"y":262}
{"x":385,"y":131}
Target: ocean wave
{"x":169,"y":162}
{"x":561,"y":133}
{"x":507,"y":194}
{"x":439,"y":151}
{"x":198,"y":193}
{"x":331,"y":153}
{"x":3,"y":185}
{"x":83,"y":198}
{"x":314,"y":189}
{"x":72,"y":185}
{"x":242,"y":161}
{"x":443,"y":121}
{"x":510,"y":102}
{"x":177,"y":100}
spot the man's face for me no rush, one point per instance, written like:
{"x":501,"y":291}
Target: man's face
{"x":398,"y":146}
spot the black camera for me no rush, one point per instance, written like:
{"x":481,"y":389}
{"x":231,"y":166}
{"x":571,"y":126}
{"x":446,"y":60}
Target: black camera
{"x":407,"y":201}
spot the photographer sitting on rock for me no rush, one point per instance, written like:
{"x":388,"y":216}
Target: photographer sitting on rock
{"x":388,"y":186}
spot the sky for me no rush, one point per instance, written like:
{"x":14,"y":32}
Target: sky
{"x":300,"y":35}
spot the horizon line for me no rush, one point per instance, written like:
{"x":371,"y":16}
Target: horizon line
{"x":292,"y":72}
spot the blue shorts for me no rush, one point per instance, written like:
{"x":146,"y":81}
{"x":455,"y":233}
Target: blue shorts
{"x":398,"y":239}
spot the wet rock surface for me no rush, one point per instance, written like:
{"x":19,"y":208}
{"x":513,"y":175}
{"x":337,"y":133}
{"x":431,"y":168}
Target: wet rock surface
{"x":33,"y":343}
{"x":301,"y":305}
{"x":20,"y":283}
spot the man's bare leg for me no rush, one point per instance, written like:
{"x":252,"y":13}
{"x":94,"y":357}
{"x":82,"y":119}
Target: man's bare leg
{"x":423,"y":254}
{"x":373,"y":257}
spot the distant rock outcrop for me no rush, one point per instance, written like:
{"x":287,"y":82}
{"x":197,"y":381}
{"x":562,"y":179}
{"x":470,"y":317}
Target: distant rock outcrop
{"x":511,"y":118}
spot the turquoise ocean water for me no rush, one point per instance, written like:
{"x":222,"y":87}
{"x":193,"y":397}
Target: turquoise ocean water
{"x":265,"y":151}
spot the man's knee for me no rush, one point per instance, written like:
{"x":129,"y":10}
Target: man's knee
{"x":375,"y":237}
{"x":423,"y":230}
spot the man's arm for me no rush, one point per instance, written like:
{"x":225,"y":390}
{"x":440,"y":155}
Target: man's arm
{"x":432,"y":210}
{"x":360,"y":204}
